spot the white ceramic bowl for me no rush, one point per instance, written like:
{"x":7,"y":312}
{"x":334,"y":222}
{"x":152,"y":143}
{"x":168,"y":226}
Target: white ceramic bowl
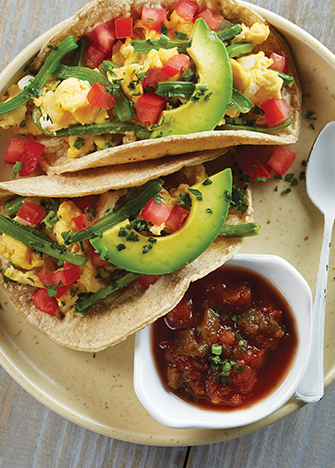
{"x":171,"y":411}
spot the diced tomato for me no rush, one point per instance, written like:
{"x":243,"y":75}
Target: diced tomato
{"x":35,"y":148}
{"x":156,"y":214}
{"x":279,"y":62}
{"x":104,"y":36}
{"x":149,"y":107}
{"x":280,"y":160}
{"x":154,"y":75}
{"x":43,"y":302}
{"x":61,"y":290}
{"x":146,"y":280}
{"x":31,"y":157}
{"x":15,"y":150}
{"x":176,"y":64}
{"x":45,"y":276}
{"x":82,"y":222}
{"x":94,"y":55}
{"x":31,"y":212}
{"x":67,"y":275}
{"x":153,"y":17}
{"x":276,"y":111}
{"x":251,"y":165}
{"x":99,"y":97}
{"x":87,"y":202}
{"x":124,"y":27}
{"x":26,"y":152}
{"x":177,"y":218}
{"x":186,"y":9}
{"x":99,"y":262}
{"x":212,"y":19}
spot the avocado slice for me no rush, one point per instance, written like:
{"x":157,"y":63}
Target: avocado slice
{"x":210,"y":205}
{"x":213,"y":68}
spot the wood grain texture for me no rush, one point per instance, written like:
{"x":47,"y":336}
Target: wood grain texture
{"x":33,"y":436}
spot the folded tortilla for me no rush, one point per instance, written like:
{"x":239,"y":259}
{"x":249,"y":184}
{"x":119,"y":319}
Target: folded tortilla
{"x":55,"y":161}
{"x":126,"y":311}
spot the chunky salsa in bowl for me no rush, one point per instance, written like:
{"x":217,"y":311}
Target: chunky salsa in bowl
{"x":232,"y":351}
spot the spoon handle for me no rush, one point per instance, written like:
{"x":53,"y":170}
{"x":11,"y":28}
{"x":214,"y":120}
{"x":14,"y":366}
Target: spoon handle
{"x":311,"y":388}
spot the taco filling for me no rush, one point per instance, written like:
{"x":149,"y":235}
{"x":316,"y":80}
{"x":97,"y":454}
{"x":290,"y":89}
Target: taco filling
{"x":158,"y":73}
{"x":76,"y":252}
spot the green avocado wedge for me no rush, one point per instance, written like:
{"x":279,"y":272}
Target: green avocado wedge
{"x":204,"y":111}
{"x":166,"y":254}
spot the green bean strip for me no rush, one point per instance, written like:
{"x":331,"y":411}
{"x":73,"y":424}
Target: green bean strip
{"x":79,"y":60}
{"x":235,"y":50}
{"x":13,"y":205}
{"x":83,"y":304}
{"x":42,"y":76}
{"x":110,"y":126}
{"x":143,"y":47}
{"x":37,"y":241}
{"x":241,"y":102}
{"x":183,"y":89}
{"x":287,"y":79}
{"x":81,"y":73}
{"x":130,"y":207}
{"x":268,"y":130}
{"x":240,"y":230}
{"x":123,"y":108}
{"x":229,"y":32}
{"x":108,"y":66}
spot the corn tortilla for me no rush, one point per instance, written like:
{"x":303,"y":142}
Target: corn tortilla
{"x":123,"y":313}
{"x":55,"y":161}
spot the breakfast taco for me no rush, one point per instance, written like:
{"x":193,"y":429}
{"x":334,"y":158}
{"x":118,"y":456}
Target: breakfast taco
{"x":122,"y":81}
{"x":92,"y":269}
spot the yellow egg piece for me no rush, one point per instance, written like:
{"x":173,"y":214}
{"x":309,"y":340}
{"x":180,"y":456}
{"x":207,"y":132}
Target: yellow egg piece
{"x":253,"y":77}
{"x":256,"y":34}
{"x":19,"y":254}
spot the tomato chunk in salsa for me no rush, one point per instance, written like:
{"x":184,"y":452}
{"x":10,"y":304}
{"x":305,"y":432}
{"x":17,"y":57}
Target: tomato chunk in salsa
{"x":228,"y":343}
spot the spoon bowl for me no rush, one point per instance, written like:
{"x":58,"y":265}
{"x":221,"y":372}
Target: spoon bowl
{"x":320,"y":185}
{"x":320,"y":174}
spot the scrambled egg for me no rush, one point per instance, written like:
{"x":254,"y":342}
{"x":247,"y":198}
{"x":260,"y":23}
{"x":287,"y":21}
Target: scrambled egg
{"x":68,"y":105}
{"x":253,"y":77}
{"x":19,"y":254}
{"x":130,"y":72}
{"x":256,"y":34}
{"x":16,"y":116}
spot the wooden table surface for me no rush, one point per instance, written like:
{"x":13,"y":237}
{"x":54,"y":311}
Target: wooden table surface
{"x":31,"y":435}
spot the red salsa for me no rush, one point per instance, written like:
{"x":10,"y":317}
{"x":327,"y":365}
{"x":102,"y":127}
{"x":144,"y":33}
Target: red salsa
{"x":228,"y":343}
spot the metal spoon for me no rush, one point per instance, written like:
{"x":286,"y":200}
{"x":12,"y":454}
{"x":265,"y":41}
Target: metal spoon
{"x":320,"y":184}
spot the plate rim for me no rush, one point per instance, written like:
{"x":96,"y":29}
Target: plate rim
{"x":75,"y":416}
